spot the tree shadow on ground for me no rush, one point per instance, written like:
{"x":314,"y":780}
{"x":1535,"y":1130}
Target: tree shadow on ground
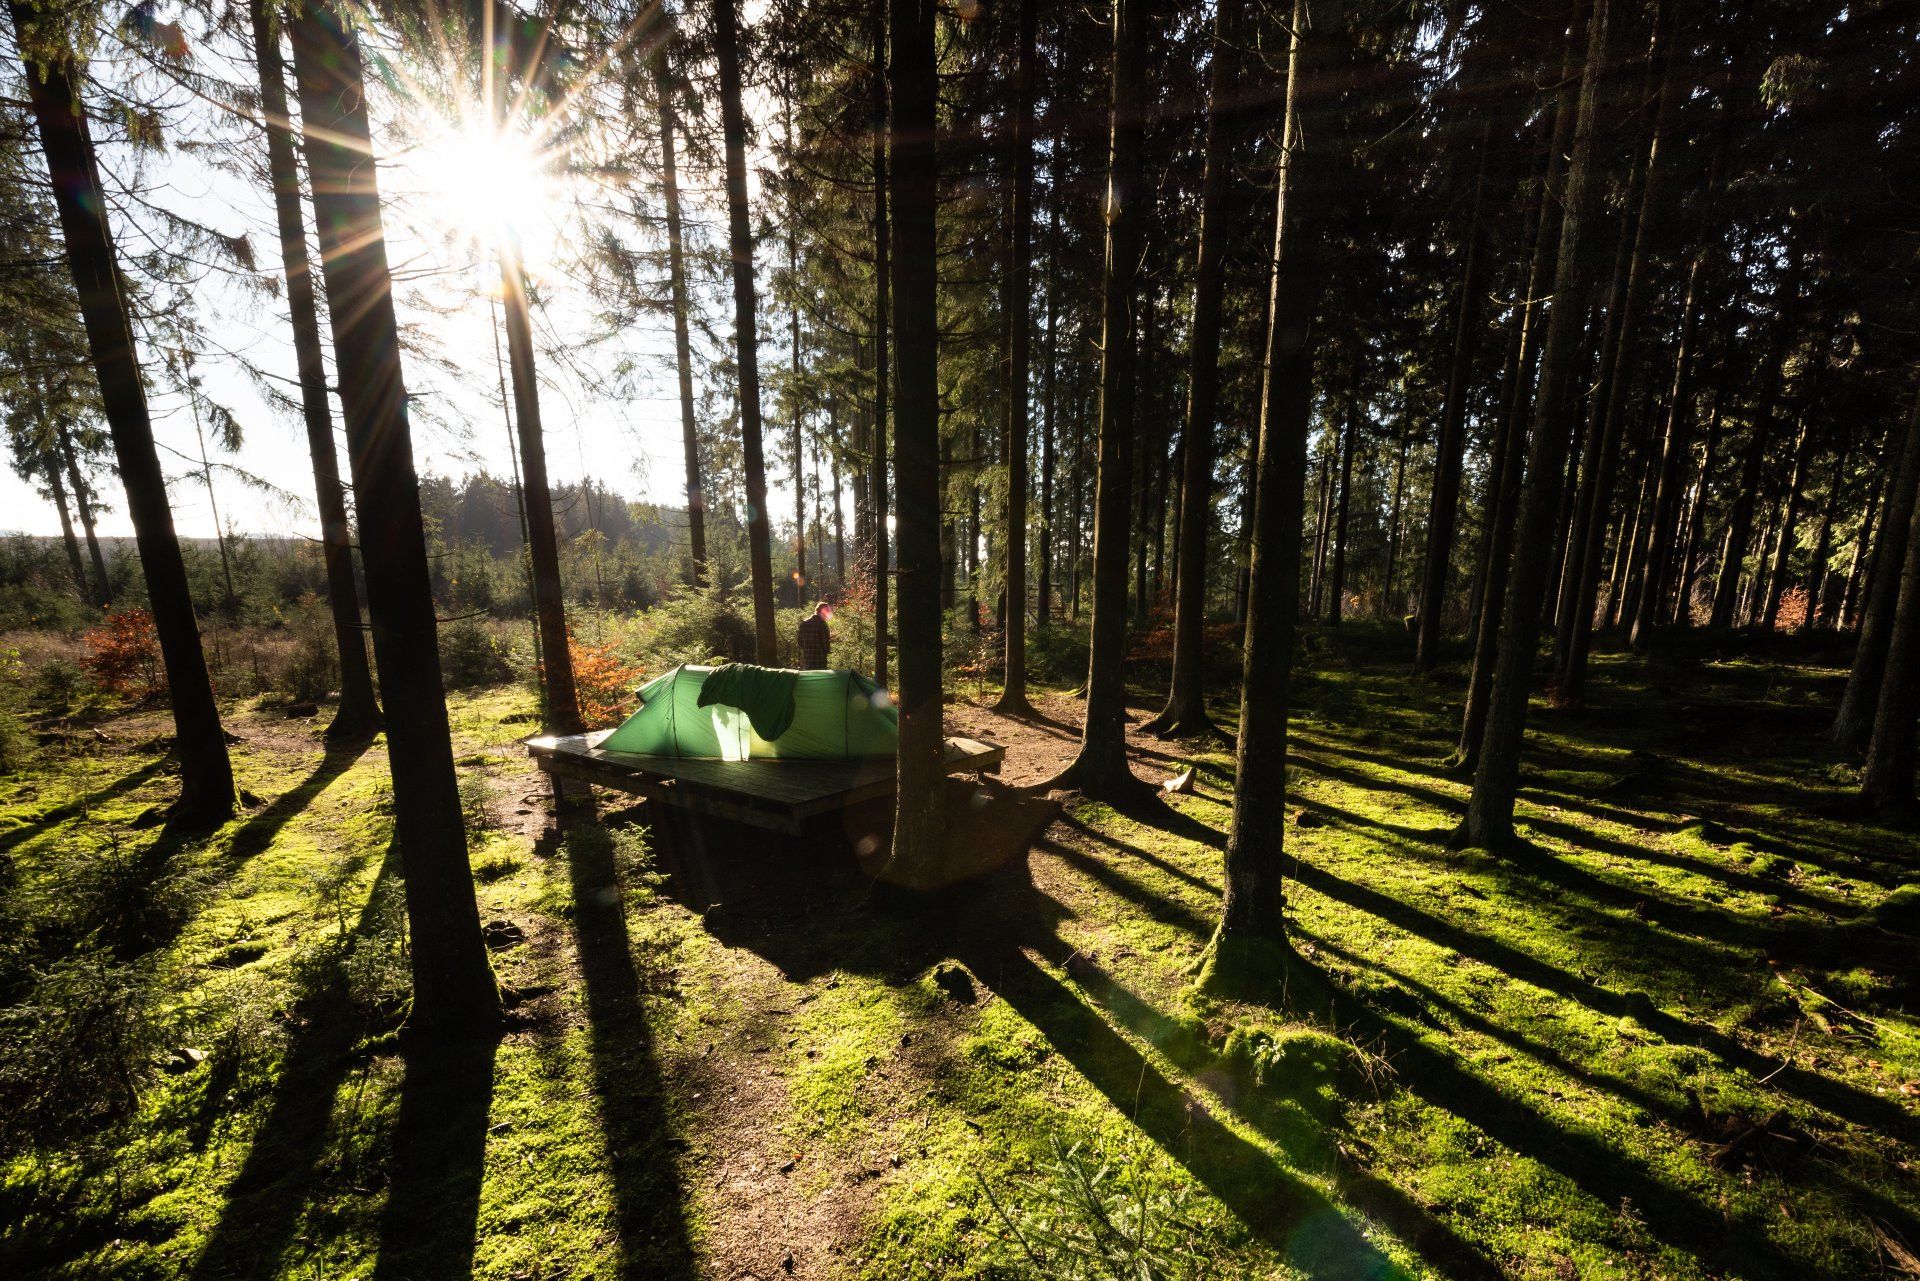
{"x":1010,"y":922}
{"x":46,"y":820}
{"x":1158,"y":861}
{"x":258,"y":832}
{"x":809,"y":912}
{"x":1670,"y":1213}
{"x":427,"y":1228}
{"x":1821,"y":1091}
{"x":648,"y":1197}
{"x":264,"y":1202}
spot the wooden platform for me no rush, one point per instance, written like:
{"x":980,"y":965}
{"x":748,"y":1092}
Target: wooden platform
{"x":777,"y":794}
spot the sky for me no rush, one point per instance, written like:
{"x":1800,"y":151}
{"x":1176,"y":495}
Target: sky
{"x":433,"y":201}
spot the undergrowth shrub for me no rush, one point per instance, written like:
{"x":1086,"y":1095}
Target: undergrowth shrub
{"x":130,"y":898}
{"x":1084,"y":1217}
{"x":123,"y":654}
{"x":1057,"y":653}
{"x":76,"y":1054}
{"x":476,"y":800}
{"x":359,"y":969}
{"x":59,"y":683}
{"x":15,"y":749}
{"x":313,"y":668}
{"x":698,"y":625}
{"x":603,"y":683}
{"x":471,"y":656}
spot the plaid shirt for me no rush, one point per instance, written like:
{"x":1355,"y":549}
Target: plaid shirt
{"x":813,"y":641}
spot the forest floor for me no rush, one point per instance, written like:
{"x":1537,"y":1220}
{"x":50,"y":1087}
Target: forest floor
{"x":1675,"y":1039}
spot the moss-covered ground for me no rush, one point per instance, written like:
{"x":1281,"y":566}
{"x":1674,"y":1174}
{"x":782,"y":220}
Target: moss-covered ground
{"x":1673,"y":1039}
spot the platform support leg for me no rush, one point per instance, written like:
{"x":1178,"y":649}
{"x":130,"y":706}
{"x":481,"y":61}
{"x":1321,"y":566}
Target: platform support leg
{"x":571,"y":797}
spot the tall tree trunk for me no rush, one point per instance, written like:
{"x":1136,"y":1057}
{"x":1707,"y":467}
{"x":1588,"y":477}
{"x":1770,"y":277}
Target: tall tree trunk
{"x":1816,"y":585}
{"x":1336,"y":595}
{"x":1740,"y":518}
{"x":50,"y":468}
{"x":1393,"y":525}
{"x":800,"y":579}
{"x":1449,"y":449}
{"x":1489,"y":821}
{"x":1144,"y":451}
{"x":230,"y":599}
{"x":562,"y":705}
{"x":1013,"y":618}
{"x":453,"y":985}
{"x":1185,"y":714}
{"x":1520,"y":339}
{"x":1854,"y":721}
{"x":1776,"y":582}
{"x":1322,"y":529}
{"x":1510,"y":448}
{"x":1049,"y":375}
{"x":1619,"y":361}
{"x":914,"y":179}
{"x":83,"y":501}
{"x":1077,"y":541}
{"x":733,"y":121}
{"x":1862,"y":543}
{"x":663,"y":95}
{"x":206,"y":775}
{"x":1676,"y":448}
{"x":1690,"y":561}
{"x":1887,"y":780}
{"x":1250,"y":945}
{"x":882,"y":314}
{"x":358,"y":714}
{"x":1100,"y":768}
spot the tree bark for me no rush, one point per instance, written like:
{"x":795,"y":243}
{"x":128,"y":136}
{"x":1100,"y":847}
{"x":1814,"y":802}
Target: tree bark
{"x":206,"y":774}
{"x":83,"y":501}
{"x":733,"y":121}
{"x":1322,"y":529}
{"x":57,"y":488}
{"x":1854,"y":722}
{"x":1776,"y":578}
{"x":1185,"y":714}
{"x":1013,"y":618}
{"x":1676,"y":448}
{"x":358,"y":715}
{"x":1100,"y":768}
{"x":1740,"y":517}
{"x":562,"y":705}
{"x":1444,"y":505}
{"x":794,"y":375}
{"x":1862,"y":545}
{"x":1887,"y":780}
{"x":1393,"y":525}
{"x":1489,"y":821}
{"x":914,"y":179}
{"x":1587,"y":543}
{"x":882,"y":375}
{"x":1048,"y":377}
{"x":1489,"y":611}
{"x":663,"y":94}
{"x":1816,"y":584}
{"x":1250,"y":944}
{"x":1337,"y":584}
{"x":453,"y":985}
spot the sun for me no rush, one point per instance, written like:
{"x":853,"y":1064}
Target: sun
{"x":487,"y":185}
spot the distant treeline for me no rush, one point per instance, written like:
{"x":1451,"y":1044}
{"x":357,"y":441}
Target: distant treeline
{"x":614,"y":552}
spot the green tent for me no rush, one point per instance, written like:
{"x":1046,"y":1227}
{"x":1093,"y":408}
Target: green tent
{"x":836,"y":716}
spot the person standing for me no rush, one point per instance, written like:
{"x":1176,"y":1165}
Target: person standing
{"x":815,"y":637}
